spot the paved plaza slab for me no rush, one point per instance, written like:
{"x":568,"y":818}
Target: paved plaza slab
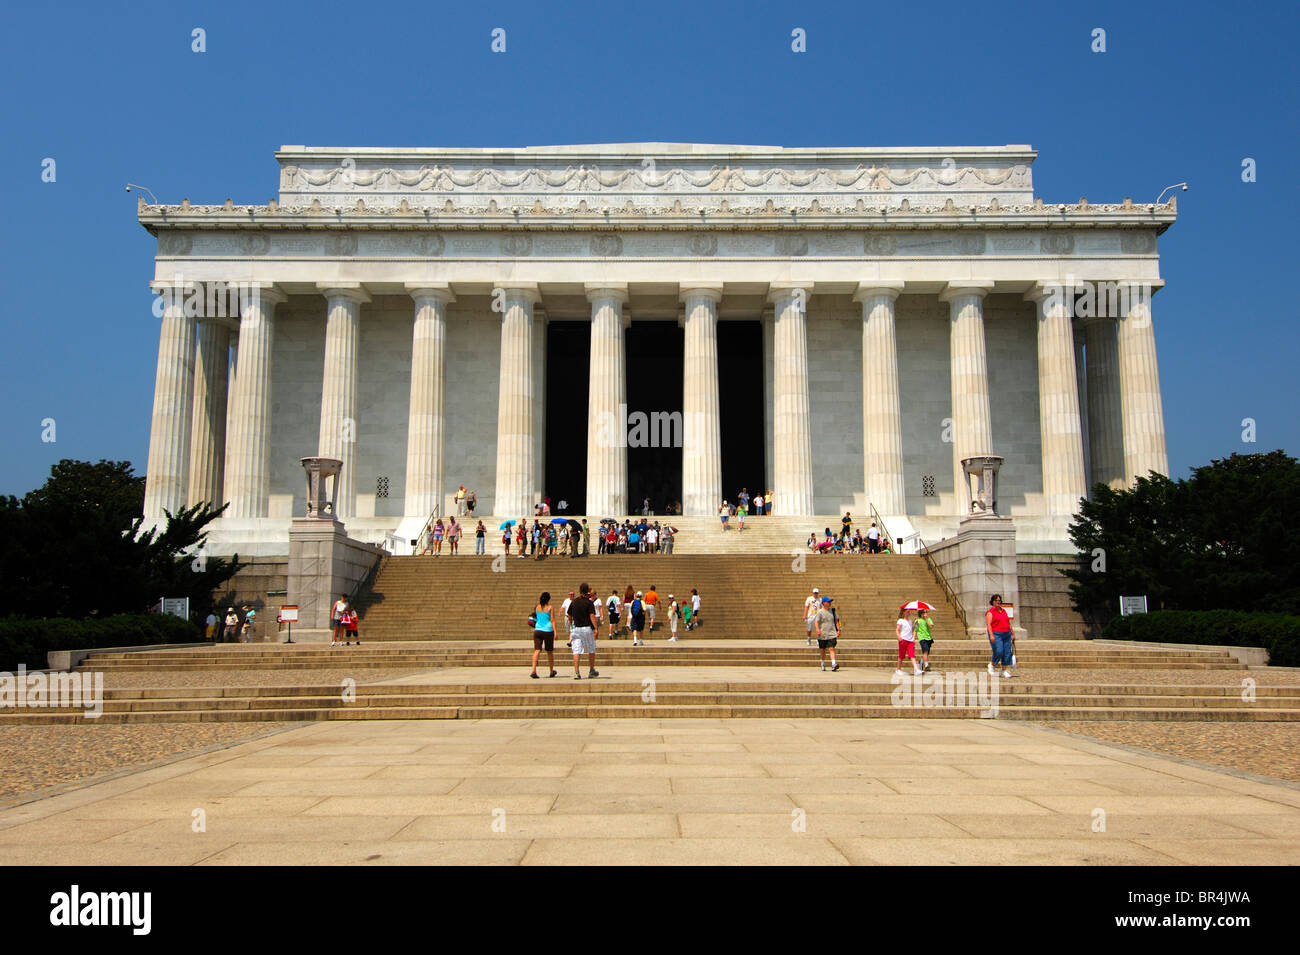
{"x":966,"y":792}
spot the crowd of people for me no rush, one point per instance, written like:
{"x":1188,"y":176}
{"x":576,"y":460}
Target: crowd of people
{"x":851,"y":540}
{"x":583,"y":614}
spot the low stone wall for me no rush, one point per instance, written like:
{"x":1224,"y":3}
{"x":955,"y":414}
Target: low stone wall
{"x":262,"y":586}
{"x":1045,"y":604}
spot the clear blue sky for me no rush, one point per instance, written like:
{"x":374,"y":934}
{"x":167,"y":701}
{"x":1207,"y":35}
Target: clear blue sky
{"x":114,"y":94}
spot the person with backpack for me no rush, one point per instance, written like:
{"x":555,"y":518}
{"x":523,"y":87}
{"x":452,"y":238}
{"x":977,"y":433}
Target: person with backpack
{"x":613,"y":605}
{"x":636,"y":620}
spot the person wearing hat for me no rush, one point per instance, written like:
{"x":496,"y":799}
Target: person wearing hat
{"x":674,"y":614}
{"x":231,"y":630}
{"x":636,"y":620}
{"x":810,"y":608}
{"x":828,"y":633}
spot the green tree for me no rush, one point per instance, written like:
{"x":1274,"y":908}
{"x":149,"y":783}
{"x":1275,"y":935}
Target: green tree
{"x":1225,"y":538}
{"x":75,"y":547}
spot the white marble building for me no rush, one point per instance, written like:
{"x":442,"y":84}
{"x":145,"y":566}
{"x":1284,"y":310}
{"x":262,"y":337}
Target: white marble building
{"x":916,"y":306}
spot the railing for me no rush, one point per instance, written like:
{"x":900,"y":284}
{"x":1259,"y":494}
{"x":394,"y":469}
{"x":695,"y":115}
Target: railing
{"x":943,"y":584}
{"x":924,"y":550}
{"x":422,"y":539}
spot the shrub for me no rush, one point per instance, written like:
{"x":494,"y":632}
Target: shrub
{"x":27,"y":641}
{"x":1278,"y":633}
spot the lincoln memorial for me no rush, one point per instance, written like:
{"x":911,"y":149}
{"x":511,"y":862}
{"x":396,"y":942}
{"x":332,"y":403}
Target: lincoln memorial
{"x":609,"y":323}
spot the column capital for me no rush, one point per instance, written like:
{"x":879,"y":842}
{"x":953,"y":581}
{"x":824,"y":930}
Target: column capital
{"x":615,"y":290}
{"x":711,"y":290}
{"x":776,"y":291}
{"x":435,"y":290}
{"x":868,"y":290}
{"x":229,"y":323}
{"x":353,"y":291}
{"x":960,"y":287}
{"x":527,"y":291}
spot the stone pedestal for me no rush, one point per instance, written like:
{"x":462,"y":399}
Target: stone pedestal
{"x":324,"y":563}
{"x":980,"y":562}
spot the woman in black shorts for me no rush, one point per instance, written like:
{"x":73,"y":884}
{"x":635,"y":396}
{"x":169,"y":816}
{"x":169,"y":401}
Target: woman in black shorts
{"x":543,"y":633}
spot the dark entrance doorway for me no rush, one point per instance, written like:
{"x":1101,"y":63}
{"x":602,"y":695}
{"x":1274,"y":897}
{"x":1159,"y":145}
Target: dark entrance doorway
{"x":655,"y":352}
{"x":568,"y":358}
{"x":741,"y":407}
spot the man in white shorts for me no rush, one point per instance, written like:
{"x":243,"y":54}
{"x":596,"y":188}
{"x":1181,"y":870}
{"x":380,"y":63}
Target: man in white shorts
{"x":583,"y":635}
{"x":810,"y":608}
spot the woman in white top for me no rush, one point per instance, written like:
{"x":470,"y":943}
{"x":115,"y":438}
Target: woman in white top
{"x":906,"y":643}
{"x":724,"y":512}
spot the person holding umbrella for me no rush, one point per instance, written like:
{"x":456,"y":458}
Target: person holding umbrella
{"x":505,"y":535}
{"x":905,"y":632}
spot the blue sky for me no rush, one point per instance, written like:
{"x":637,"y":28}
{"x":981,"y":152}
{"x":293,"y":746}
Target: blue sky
{"x":115,"y":95}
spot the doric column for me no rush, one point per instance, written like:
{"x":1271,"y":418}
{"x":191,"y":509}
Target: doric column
{"x":426,"y":427}
{"x":607,"y":391}
{"x":972,"y":427}
{"x":1139,"y":389}
{"x":208,"y":439}
{"x":168,"y":469}
{"x":1060,"y":428}
{"x":516,"y":476}
{"x":769,"y":363}
{"x":338,"y":400}
{"x":882,"y":418}
{"x":791,"y":407}
{"x":248,"y":429}
{"x":701,"y":421}
{"x":1105,"y":416}
{"x":1081,"y":378}
{"x":539,"y":406}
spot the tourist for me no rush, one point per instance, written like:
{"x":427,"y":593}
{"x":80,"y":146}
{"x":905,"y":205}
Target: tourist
{"x":906,"y":643}
{"x":651,"y":602}
{"x":674,"y":614}
{"x":544,"y":633}
{"x":695,"y":608}
{"x":471,"y":502}
{"x":686,"y":615}
{"x":568,"y":619}
{"x":453,"y":535}
{"x":846,"y":523}
{"x":740,"y":518}
{"x":210,"y":627}
{"x":924,"y":637}
{"x":628,"y":596}
{"x":336,"y":619}
{"x":998,"y":624}
{"x":743,"y":497}
{"x":771,"y":499}
{"x":351,"y":624}
{"x":758,"y":504}
{"x":812,"y":541}
{"x":460,"y":501}
{"x":522,"y":538}
{"x":634,"y":541}
{"x":230,"y":626}
{"x":586,"y":539}
{"x":666,"y":534}
{"x":724,"y":512}
{"x":583,"y":635}
{"x":505,"y":538}
{"x":600,"y":538}
{"x":480,"y":539}
{"x":613,"y":605}
{"x":652,"y":538}
{"x":828,"y":633}
{"x":810,"y":608}
{"x":873,"y":539}
{"x":636,"y":620}
{"x":886,"y":547}
{"x":247,"y":632}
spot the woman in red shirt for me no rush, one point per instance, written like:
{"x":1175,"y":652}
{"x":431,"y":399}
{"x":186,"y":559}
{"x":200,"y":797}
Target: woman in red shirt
{"x":998,"y":624}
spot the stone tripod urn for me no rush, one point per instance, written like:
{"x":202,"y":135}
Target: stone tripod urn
{"x":982,"y":484}
{"x":320,"y":505}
